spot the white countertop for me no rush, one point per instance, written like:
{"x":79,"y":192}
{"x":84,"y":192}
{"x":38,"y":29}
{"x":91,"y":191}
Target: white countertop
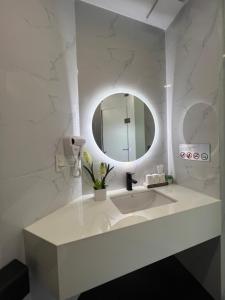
{"x":84,"y":217}
{"x":66,"y":249}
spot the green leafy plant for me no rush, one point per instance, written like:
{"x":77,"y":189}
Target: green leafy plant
{"x":99,"y":180}
{"x":169,"y":179}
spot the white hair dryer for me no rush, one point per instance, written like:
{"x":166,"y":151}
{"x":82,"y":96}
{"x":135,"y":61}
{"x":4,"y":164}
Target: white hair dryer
{"x":73,"y":146}
{"x":72,"y":150}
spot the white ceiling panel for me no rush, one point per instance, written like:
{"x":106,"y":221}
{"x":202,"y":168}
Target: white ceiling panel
{"x":162,"y":12}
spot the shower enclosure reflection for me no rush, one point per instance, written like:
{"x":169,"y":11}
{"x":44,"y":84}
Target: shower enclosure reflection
{"x":123,"y":127}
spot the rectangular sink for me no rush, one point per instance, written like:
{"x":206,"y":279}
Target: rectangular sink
{"x":136,"y":201}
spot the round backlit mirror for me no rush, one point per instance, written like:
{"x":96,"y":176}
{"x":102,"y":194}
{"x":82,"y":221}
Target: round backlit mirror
{"x":123,"y":127}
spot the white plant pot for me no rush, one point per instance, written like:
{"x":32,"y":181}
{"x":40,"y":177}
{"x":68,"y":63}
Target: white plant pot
{"x":100,"y":195}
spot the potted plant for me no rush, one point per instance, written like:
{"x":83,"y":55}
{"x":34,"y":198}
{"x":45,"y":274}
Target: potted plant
{"x":99,"y":179}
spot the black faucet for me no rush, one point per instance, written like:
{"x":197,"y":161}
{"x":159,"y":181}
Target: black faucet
{"x":130,"y":181}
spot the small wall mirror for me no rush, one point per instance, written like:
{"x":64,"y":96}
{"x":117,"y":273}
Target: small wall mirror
{"x":123,"y":127}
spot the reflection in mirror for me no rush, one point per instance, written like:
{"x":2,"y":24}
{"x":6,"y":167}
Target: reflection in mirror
{"x":123,"y":127}
{"x":200,"y":125}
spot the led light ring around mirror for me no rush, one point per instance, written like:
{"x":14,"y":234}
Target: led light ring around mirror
{"x":155,"y":118}
{"x":182,"y":120}
{"x":206,"y":175}
{"x":194,"y":171}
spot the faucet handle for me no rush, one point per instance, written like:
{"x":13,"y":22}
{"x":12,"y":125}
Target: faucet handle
{"x":130,"y":180}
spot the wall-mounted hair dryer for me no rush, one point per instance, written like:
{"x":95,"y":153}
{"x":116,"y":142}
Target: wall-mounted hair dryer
{"x":72,"y":147}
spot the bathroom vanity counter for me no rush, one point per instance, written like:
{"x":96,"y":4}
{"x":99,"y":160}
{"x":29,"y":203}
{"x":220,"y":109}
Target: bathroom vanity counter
{"x":88,"y":242}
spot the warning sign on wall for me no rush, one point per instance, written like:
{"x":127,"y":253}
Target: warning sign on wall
{"x":196,"y":152}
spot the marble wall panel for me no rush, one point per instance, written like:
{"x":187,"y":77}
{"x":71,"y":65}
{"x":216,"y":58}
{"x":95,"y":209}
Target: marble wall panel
{"x":38,"y":106}
{"x":194,"y":49}
{"x":115,"y":54}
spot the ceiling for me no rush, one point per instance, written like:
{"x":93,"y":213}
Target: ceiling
{"x":158,"y":13}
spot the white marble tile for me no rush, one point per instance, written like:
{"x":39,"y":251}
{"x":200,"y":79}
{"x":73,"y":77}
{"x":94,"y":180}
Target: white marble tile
{"x":38,"y":106}
{"x":194,"y":62}
{"x":116,"y":52}
{"x":195,"y":91}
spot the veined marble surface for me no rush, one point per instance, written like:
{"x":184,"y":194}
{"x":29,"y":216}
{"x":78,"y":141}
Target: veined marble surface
{"x":86,"y":217}
{"x":38,"y":106}
{"x":194,"y":59}
{"x":194,"y":49}
{"x":115,"y":54}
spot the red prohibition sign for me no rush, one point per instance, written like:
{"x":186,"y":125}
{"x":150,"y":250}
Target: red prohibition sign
{"x":182,"y":154}
{"x":189,"y":155}
{"x":196,"y":155}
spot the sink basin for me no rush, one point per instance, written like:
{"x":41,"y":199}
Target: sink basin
{"x":136,"y":201}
